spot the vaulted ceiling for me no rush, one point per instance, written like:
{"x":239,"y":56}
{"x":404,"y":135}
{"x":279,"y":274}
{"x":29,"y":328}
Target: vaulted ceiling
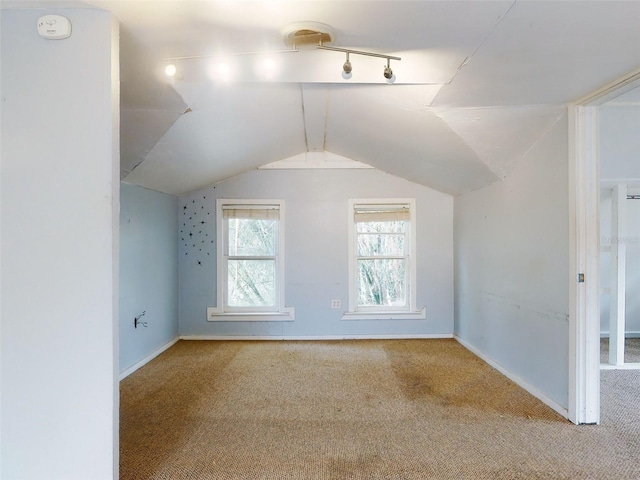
{"x":479,"y":83}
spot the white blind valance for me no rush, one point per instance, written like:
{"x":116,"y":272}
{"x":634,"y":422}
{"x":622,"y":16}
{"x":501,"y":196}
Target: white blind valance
{"x":381,"y":213}
{"x":256,"y":212}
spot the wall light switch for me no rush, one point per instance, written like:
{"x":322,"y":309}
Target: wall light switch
{"x":335,"y":303}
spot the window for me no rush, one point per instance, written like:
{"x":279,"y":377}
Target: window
{"x":250,"y":267}
{"x":382,"y":256}
{"x":382,"y":259}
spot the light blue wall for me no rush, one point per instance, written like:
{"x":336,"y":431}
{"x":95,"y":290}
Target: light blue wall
{"x":316,"y":260}
{"x":512,"y":268}
{"x":148,"y":271}
{"x":619,"y":142}
{"x":59,"y":212}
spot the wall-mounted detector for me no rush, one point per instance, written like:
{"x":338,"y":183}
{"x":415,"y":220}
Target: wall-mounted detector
{"x":54,"y":27}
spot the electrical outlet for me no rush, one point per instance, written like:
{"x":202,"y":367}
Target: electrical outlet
{"x":335,"y":303}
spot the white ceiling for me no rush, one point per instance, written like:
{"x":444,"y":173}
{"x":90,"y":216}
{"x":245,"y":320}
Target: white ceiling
{"x":479,"y":83}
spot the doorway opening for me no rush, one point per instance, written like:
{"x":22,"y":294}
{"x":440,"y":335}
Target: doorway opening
{"x":619,"y":141}
{"x":585,"y":327}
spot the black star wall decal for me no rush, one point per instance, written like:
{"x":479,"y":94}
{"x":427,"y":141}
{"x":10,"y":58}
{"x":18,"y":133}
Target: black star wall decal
{"x":196,"y":209}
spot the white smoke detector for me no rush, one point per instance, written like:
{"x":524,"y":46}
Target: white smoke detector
{"x":54,"y":27}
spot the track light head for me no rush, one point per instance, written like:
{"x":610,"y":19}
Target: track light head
{"x":347,"y":68}
{"x":170,"y":70}
{"x":388,"y":73}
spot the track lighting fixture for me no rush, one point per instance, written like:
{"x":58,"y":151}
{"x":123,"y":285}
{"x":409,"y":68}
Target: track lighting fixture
{"x":305,"y":35}
{"x":347,"y":68}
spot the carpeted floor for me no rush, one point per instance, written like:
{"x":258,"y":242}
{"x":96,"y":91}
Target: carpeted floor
{"x":631,"y":350}
{"x":406,"y":409}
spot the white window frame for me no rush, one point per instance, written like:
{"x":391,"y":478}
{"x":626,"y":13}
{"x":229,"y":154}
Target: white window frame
{"x":408,"y":312}
{"x":222,"y":312}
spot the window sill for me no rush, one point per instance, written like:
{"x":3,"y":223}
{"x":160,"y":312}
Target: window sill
{"x":287,"y":314}
{"x":386,"y":315}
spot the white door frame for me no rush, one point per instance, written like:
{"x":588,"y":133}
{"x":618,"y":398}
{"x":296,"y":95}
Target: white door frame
{"x":584,"y":233}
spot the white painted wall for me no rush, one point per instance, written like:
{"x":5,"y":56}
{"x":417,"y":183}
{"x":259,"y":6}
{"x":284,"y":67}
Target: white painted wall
{"x":148,"y":272}
{"x":59,"y":211}
{"x":316,"y":260}
{"x":512,"y":268}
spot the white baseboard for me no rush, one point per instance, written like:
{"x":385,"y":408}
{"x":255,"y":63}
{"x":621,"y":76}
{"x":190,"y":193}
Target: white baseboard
{"x":632,"y":334}
{"x":317,"y":337}
{"x":624,"y":366}
{"x":128,"y":371}
{"x":516,"y":379}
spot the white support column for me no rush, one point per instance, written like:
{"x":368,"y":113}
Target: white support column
{"x":584,"y":313}
{"x":618,"y":274}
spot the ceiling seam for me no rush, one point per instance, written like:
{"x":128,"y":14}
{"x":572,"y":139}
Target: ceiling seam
{"x":304,"y":118}
{"x":486,"y":37}
{"x":147,"y":153}
{"x":326,"y":117}
{"x":540,"y":137}
{"x":477,"y":156}
{"x":482,"y":42}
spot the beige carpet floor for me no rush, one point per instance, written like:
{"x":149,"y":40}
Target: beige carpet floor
{"x":409,"y":409}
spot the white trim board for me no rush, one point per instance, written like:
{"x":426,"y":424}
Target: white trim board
{"x":612,"y":90}
{"x":316,"y":160}
{"x":516,"y":379}
{"x":382,"y":315}
{"x":584,"y":263}
{"x":628,"y":334}
{"x":216,"y":314}
{"x":622,"y":366}
{"x":319,"y":337}
{"x":128,"y":371}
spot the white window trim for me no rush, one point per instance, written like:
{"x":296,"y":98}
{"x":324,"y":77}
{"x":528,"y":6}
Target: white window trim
{"x":383,"y":313}
{"x":218,"y":313}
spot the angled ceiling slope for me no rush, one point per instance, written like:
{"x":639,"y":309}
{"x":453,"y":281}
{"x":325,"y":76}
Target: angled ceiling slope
{"x":231,"y":129}
{"x":479,"y":83}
